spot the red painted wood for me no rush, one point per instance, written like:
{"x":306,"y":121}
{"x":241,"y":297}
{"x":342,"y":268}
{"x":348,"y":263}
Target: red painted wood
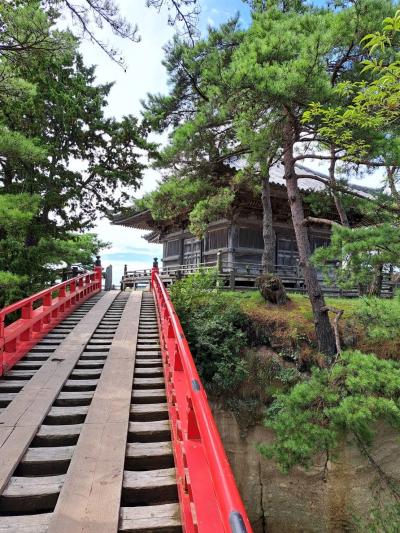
{"x":209,"y":498}
{"x":36,"y":321}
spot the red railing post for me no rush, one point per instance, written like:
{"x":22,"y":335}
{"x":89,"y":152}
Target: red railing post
{"x":2,"y":342}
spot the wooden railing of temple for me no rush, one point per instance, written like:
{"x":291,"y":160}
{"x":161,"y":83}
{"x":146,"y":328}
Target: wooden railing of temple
{"x":244,"y":275}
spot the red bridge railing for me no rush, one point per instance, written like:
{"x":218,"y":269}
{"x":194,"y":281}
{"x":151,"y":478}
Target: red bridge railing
{"x":40,"y":313}
{"x":209,"y":498}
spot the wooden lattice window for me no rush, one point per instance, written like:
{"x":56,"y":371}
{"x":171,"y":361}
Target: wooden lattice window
{"x":251,"y":238}
{"x":172,"y":248}
{"x":216,"y":239}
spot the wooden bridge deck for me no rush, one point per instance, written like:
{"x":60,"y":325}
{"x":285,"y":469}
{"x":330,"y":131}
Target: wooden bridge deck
{"x":85,"y":442}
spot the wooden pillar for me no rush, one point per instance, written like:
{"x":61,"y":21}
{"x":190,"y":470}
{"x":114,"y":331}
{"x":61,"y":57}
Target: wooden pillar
{"x":232,"y":242}
{"x":232,"y":281}
{"x":181,"y":249}
{"x":219,"y":262}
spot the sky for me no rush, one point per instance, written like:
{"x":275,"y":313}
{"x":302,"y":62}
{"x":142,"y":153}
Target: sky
{"x":144,"y":74}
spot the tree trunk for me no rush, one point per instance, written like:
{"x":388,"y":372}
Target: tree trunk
{"x":391,"y":171}
{"x":323,"y":328}
{"x":376,"y":284}
{"x":268,"y":256}
{"x":332,"y":178}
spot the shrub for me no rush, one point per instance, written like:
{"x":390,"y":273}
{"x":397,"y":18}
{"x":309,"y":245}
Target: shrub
{"x":381,"y":318}
{"x":215,"y":327}
{"x":349,"y":397}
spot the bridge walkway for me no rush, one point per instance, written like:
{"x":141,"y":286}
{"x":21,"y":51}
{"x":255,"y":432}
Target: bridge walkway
{"x":87,"y":455}
{"x":104,"y":424}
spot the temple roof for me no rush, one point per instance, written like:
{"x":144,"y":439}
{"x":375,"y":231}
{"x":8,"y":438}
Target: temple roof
{"x":143,"y":219}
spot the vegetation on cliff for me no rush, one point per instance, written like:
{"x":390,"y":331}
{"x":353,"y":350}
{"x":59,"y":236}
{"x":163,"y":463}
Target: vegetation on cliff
{"x":262,"y":362}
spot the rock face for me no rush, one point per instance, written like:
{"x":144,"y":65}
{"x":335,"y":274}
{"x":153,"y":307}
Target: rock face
{"x":324,"y":499}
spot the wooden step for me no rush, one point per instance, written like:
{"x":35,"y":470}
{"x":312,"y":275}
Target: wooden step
{"x":6,"y":398}
{"x":158,"y":431}
{"x":19,"y":374}
{"x":148,"y":396}
{"x":37,"y":356}
{"x":154,"y":371}
{"x":28,"y":365}
{"x":148,"y":383}
{"x":147,"y":354}
{"x":90,"y":363}
{"x":73,"y":398}
{"x":48,"y":461}
{"x":66,"y":415}
{"x":11,"y":385}
{"x":87,"y":356}
{"x":97,"y":348}
{"x":32,"y":494}
{"x":149,"y":456}
{"x":86,"y":373}
{"x":151,"y":486}
{"x":148,"y":362}
{"x":63,"y":435}
{"x":150,"y":518}
{"x":36,"y":523}
{"x":149,"y":412}
{"x":80,"y":384}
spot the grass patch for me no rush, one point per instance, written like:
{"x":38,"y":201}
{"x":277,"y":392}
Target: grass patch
{"x":369,"y":324}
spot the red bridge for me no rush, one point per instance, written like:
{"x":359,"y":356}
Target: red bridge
{"x":104,"y":422}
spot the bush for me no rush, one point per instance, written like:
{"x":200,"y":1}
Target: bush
{"x":381,"y":318}
{"x":349,"y":397}
{"x":215,"y":327}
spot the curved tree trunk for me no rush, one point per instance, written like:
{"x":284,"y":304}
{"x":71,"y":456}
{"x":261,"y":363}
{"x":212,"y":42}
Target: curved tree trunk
{"x":323,"y":327}
{"x":268,"y":256}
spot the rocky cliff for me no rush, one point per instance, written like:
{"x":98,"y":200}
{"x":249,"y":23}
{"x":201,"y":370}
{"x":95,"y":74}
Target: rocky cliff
{"x":328,"y":498}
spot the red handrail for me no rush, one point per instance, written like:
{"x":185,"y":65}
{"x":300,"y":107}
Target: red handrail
{"x":209,"y":498}
{"x":17,"y":338}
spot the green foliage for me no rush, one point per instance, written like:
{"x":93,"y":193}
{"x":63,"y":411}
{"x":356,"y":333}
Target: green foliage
{"x":352,"y":396}
{"x":210,"y":209}
{"x":174,"y":198}
{"x":52,"y":116}
{"x":215,"y":328}
{"x":383,"y":518}
{"x":361,"y":251}
{"x":381,"y":318}
{"x":25,"y":269}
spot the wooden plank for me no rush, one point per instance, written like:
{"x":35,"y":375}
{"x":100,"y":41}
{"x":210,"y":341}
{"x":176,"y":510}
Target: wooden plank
{"x":32,"y":494}
{"x":25,"y":524}
{"x":155,"y":486}
{"x":20,"y":421}
{"x":163,"y":518}
{"x":90,"y":503}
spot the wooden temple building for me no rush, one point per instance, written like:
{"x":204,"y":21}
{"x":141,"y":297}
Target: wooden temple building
{"x":238,"y":242}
